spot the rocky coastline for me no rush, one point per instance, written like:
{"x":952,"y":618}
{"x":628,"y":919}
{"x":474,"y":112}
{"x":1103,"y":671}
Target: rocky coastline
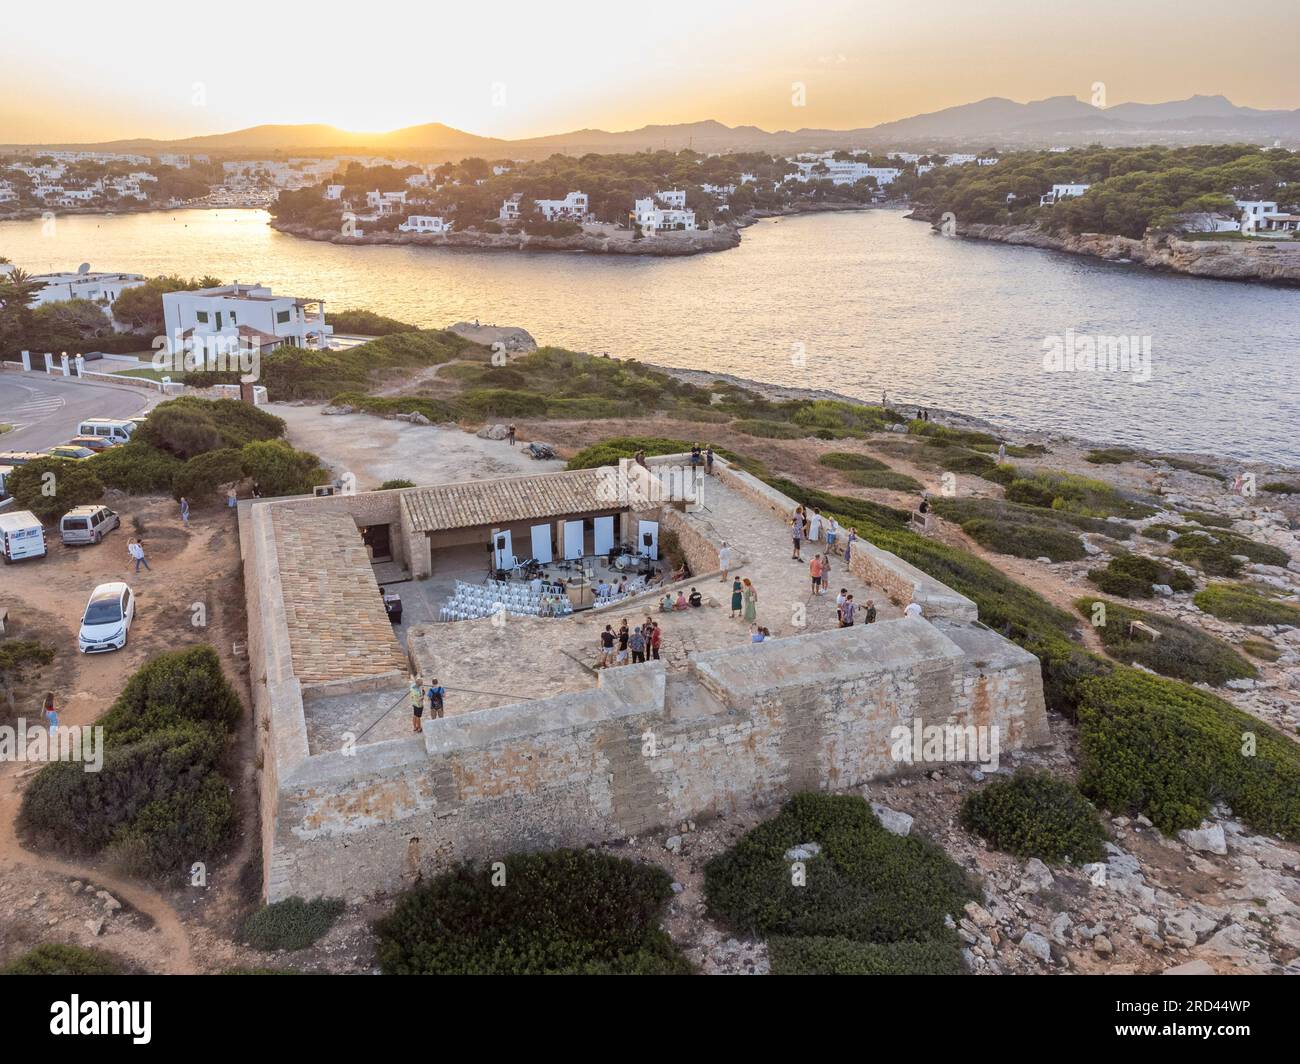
{"x":1260,"y":261}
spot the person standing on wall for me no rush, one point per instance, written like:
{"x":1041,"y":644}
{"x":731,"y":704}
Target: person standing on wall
{"x":437,"y":699}
{"x":417,"y":704}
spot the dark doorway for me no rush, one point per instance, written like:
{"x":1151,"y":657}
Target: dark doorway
{"x":377,"y":539}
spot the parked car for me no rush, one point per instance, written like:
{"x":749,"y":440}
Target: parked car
{"x":17,"y":458}
{"x":21,"y":536}
{"x":107,"y":620}
{"x":88,"y":524}
{"x":95,"y":443}
{"x":67,"y":450}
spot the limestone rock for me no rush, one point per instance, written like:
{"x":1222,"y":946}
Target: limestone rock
{"x":892,"y":820}
{"x":1208,"y":838}
{"x":805,"y":851}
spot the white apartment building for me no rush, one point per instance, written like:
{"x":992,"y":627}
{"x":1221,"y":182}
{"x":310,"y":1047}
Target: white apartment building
{"x":425,"y":223}
{"x":1060,"y":192}
{"x":180,"y":162}
{"x":334,"y":192}
{"x":674,"y":197}
{"x":418,"y":181}
{"x":718,"y":190}
{"x":655,"y":219}
{"x":510,"y":208}
{"x":244,"y":313}
{"x":747,"y":179}
{"x":574,"y":206}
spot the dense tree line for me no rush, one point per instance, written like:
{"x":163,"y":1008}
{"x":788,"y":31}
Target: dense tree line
{"x":1132,"y":189}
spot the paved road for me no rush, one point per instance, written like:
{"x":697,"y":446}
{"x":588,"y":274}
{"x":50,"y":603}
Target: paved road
{"x":45,"y":411}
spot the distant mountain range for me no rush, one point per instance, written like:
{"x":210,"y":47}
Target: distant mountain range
{"x":991,"y":123}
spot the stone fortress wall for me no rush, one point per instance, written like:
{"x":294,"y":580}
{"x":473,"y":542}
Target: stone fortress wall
{"x":645,"y":748}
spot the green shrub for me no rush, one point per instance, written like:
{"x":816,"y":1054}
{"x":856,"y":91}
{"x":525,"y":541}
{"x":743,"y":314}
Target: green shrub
{"x":772,"y":430}
{"x":865,"y":886}
{"x":966,"y":437}
{"x":136,"y":468}
{"x":366,"y":323}
{"x":1182,"y":651}
{"x":204,"y":474}
{"x":1214,"y":551}
{"x":386,"y":406}
{"x":1260,"y":648}
{"x":389,"y":485}
{"x":1131,"y":576}
{"x":298,"y":373}
{"x":1025,"y":541}
{"x":189,"y":426}
{"x":1159,"y":747}
{"x":1111,"y":455}
{"x":501,"y":402}
{"x":842,"y":956}
{"x":1281,"y":487}
{"x":1033,"y":814}
{"x":159,"y":801}
{"x":1075,"y":494}
{"x":560,"y":912}
{"x":884,"y":480}
{"x":50,"y":487}
{"x":1245,"y":605}
{"x":850,"y":462}
{"x":291,"y":924}
{"x":281,"y":470}
{"x":1204,"y":517}
{"x":54,"y":958}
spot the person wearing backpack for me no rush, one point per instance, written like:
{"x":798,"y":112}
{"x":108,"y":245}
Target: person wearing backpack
{"x":437,"y":699}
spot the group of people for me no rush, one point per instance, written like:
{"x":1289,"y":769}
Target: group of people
{"x":744,"y":599}
{"x":431,"y":696}
{"x":630,"y":645}
{"x":702,"y":456}
{"x":682,"y":602}
{"x":846,"y":610}
{"x":811,"y":527}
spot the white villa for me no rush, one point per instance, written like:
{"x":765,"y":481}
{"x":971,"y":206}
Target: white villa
{"x":510,"y":208}
{"x":843,"y":172}
{"x":334,"y":192}
{"x":655,"y":219}
{"x":674,"y":197}
{"x":425,"y":223}
{"x":1262,"y":216}
{"x":385,"y":202}
{"x":1060,"y":192}
{"x":574,"y":206}
{"x":246,"y":313}
{"x":100,"y":288}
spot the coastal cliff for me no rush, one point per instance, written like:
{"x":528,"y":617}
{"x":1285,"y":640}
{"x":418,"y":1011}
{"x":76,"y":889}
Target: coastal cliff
{"x":720,"y":238}
{"x":1268,"y":261}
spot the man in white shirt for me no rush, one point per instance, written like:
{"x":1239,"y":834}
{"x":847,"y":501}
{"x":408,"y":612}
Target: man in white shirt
{"x":724,"y":560}
{"x":913,"y":610}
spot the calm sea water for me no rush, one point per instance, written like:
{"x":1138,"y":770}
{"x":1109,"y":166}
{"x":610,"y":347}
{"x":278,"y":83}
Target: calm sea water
{"x":857,"y":303}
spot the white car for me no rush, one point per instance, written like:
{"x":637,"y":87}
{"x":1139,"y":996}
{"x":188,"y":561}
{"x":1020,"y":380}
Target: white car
{"x":107,"y":619}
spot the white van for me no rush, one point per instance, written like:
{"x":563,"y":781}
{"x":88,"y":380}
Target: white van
{"x":87,"y":524}
{"x":21,"y":536}
{"x":115,"y":430}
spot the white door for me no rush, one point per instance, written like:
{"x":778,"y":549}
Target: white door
{"x":572,"y":539}
{"x":542,"y":543}
{"x":604,"y":534}
{"x":647,"y":539}
{"x":502,"y":551}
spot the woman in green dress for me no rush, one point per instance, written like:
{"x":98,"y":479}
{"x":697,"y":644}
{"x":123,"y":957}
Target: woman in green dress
{"x":735,"y":596}
{"x":750,"y":597}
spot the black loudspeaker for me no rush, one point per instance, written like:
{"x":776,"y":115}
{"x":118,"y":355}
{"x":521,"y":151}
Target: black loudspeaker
{"x":647,"y":539}
{"x":501,"y":542}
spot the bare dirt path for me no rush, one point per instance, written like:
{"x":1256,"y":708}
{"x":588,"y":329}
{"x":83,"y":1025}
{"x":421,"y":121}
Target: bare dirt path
{"x":45,"y":599}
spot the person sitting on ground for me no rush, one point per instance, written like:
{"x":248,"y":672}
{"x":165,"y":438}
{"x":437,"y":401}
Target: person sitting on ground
{"x":681,"y":603}
{"x":667,"y":603}
{"x":602,"y":589}
{"x":756,"y":634}
{"x":680,"y":574}
{"x":696,"y":599}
